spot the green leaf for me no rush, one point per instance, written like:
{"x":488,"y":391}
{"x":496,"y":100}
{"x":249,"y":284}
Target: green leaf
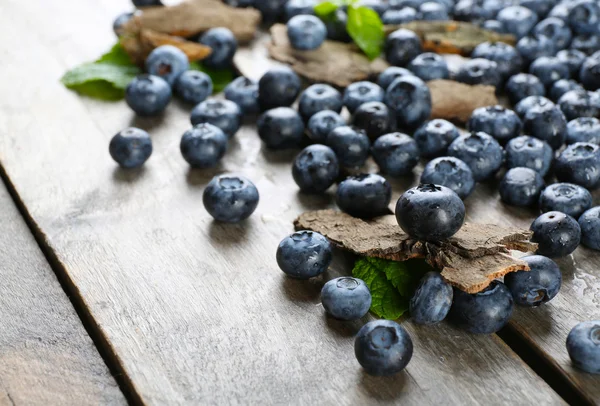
{"x":220,"y":77}
{"x":366,"y":29}
{"x":325,"y":9}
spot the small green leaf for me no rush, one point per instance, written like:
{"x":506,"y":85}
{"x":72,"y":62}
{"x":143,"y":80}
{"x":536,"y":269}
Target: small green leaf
{"x":366,"y":29}
{"x":220,"y":77}
{"x":325,"y":9}
{"x":116,"y":56}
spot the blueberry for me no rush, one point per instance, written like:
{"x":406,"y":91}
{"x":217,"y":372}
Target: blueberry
{"x":517,"y":20}
{"x":383,"y":347}
{"x":583,"y":129}
{"x":230,"y":198}
{"x":271,"y":10}
{"x":346,"y":298}
{"x":579,"y":163}
{"x":549,"y":69}
{"x":473,"y":11}
{"x":583,"y":346}
{"x":146,"y":3}
{"x":203,"y":146}
{"x":131,"y":147}
{"x":563,"y":86}
{"x":168,"y":62}
{"x":584,"y":17}
{"x":590,"y":228}
{"x":531,"y":48}
{"x":546,"y":123}
{"x":401,"y":16}
{"x":567,"y":198}
{"x":555,"y":30}
{"x":306,"y":32}
{"x":410,"y":99}
{"x":450,"y":172}
{"x":280,"y":128}
{"x":321,"y":124}
{"x":315,"y":169}
{"x":431,"y":11}
{"x":375,"y":118}
{"x":243,"y":92}
{"x":561,"y":10}
{"x":580,"y":103}
{"x":480,"y":151}
{"x":317,"y":98}
{"x":279,"y":87}
{"x":538,"y":285}
{"x":396,"y":154}
{"x":362,"y":92}
{"x":390,"y":74}
{"x":523,"y":85}
{"x":573,"y":59}
{"x":304,"y":254}
{"x":434,"y":137}
{"x":479,"y":71}
{"x":240,"y":3}
{"x":539,"y":103}
{"x":120,"y":21}
{"x":497,"y":121}
{"x":365,"y":196}
{"x":494,"y":26}
{"x":379,"y":6}
{"x":295,"y":8}
{"x":148,"y":95}
{"x":223,"y":44}
{"x":336,"y":26}
{"x":224,"y":114}
{"x":429,"y":66}
{"x":432,"y":300}
{"x":586,"y":43}
{"x":351,"y":145}
{"x":529,"y":152}
{"x":507,"y":58}
{"x":556,"y":233}
{"x":539,"y":7}
{"x":521,"y":187}
{"x":401,"y":47}
{"x":589,"y":75}
{"x":193,"y":86}
{"x":430,"y":212}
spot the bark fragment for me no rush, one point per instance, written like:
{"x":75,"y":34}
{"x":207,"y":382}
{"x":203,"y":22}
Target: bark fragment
{"x":455,"y":101}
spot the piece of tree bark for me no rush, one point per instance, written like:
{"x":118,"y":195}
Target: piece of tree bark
{"x":334,"y":62}
{"x":139,"y":45}
{"x":455,"y":101}
{"x":470,"y":260}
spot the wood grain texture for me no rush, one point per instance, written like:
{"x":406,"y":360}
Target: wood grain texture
{"x":46,"y":356}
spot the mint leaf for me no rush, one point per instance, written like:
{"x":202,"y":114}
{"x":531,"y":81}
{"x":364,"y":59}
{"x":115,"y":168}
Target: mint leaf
{"x":220,"y":77}
{"x":325,"y":9}
{"x":366,"y":29}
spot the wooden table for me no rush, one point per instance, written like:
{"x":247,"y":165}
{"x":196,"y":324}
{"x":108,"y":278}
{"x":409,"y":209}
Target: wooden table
{"x":182,"y":310}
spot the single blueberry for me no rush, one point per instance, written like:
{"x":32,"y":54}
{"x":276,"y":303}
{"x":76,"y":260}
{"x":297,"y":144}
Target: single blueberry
{"x":431,"y":11}
{"x":567,"y":198}
{"x":556,"y":30}
{"x":497,"y":121}
{"x":523,"y":85}
{"x":306,"y":32}
{"x":479,"y":71}
{"x":224,"y":114}
{"x":223,"y":44}
{"x":401,"y":47}
{"x":539,"y":103}
{"x":583,"y":129}
{"x":430,"y":212}
{"x":563,"y":86}
{"x":271,"y":10}
{"x":556,"y":233}
{"x":193,"y":86}
{"x":295,"y":8}
{"x":546,"y":123}
{"x":315,"y":169}
{"x":364,"y":196}
{"x":521,"y":187}
{"x":573,"y":59}
{"x":375,"y":118}
{"x":351,"y":145}
{"x":401,"y":16}
{"x":507,"y":58}
{"x":531,"y":48}
{"x":304,"y":254}
{"x":362,"y":92}
{"x":517,"y":20}
{"x":168,"y":62}
{"x":549,"y":69}
{"x":434,"y":137}
{"x":243,"y":92}
{"x":584,"y":17}
{"x":203,"y":146}
{"x":590,"y":228}
{"x":120,"y":21}
{"x":410,"y":99}
{"x":383,"y":347}
{"x":396,"y":154}
{"x":579,"y":163}
{"x":429,"y":66}
{"x":586,"y":43}
{"x":148,"y":95}
{"x":390,"y":74}
{"x":230,"y":198}
{"x":561,"y":10}
{"x":432,"y":300}
{"x":583,"y":346}
{"x":529,"y":152}
{"x":131,"y":147}
{"x":322,"y":123}
{"x":317,"y":98}
{"x":280,"y":128}
{"x":146,"y":3}
{"x":279,"y":87}
{"x":450,"y":172}
{"x":538,"y":285}
{"x":480,"y":151}
{"x":346,"y":298}
{"x":589,"y":74}
{"x":580,"y":103}
{"x":474,"y":11}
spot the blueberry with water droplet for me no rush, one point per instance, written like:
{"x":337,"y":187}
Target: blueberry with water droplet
{"x":315,"y":169}
{"x":590,"y":228}
{"x":304,"y":254}
{"x":538,"y":285}
{"x":432,"y":300}
{"x":230,"y":198}
{"x":583,"y":345}
{"x":529,"y":152}
{"x":567,"y":198}
{"x":521,"y":187}
{"x":556,"y":233}
{"x":579,"y":163}
{"x":346,"y":298}
{"x":450,"y":172}
{"x":383,"y":347}
{"x":365,"y":196}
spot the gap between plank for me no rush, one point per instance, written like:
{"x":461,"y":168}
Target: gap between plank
{"x":92,"y":328}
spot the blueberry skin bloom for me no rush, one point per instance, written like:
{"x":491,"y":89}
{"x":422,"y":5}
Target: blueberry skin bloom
{"x":549,"y":69}
{"x":531,"y":102}
{"x":364,"y":196}
{"x":401,"y":47}
{"x":346,"y":298}
{"x":590,"y":228}
{"x":529,"y":152}
{"x":146,"y":3}
{"x":193,"y":86}
{"x":584,"y":17}
{"x":131,"y":147}
{"x":485,"y":312}
{"x":567,"y":198}
{"x":556,"y":233}
{"x":556,"y":30}
{"x":429,"y":66}
{"x":523,"y":85}
{"x":548,"y":124}
{"x":243,"y":92}
{"x":479,"y":71}
{"x":230,"y":198}
{"x":497,"y":121}
{"x":279,"y":87}
{"x":396,"y":154}
{"x":304,"y":255}
{"x":573,"y":59}
{"x":383,"y":348}
{"x":351,"y":145}
{"x":280,"y":128}
{"x":410,"y":99}
{"x":579,"y":163}
{"x":223,"y":44}
{"x":430,"y":212}
{"x":306,"y":32}
{"x":517,"y":20}
{"x":148,"y":95}
{"x":586,"y":43}
{"x":580,"y":103}
{"x":434,"y":137}
{"x":392,"y":73}
{"x":521,"y":187}
{"x":359,"y":93}
{"x":450,"y":172}
{"x":432,"y":299}
{"x":168,"y":62}
{"x":563,"y":86}
{"x":537,"y":286}
{"x":375,"y":118}
{"x":224,"y":114}
{"x":583,"y":129}
{"x":583,"y":346}
{"x":315,"y":169}
{"x":589,"y":74}
{"x":317,"y":98}
{"x":481,"y":152}
{"x":401,"y":16}
{"x":432,"y":11}
{"x":203,"y":146}
{"x":507,"y":58}
{"x":531,"y":48}
{"x":322,"y":123}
